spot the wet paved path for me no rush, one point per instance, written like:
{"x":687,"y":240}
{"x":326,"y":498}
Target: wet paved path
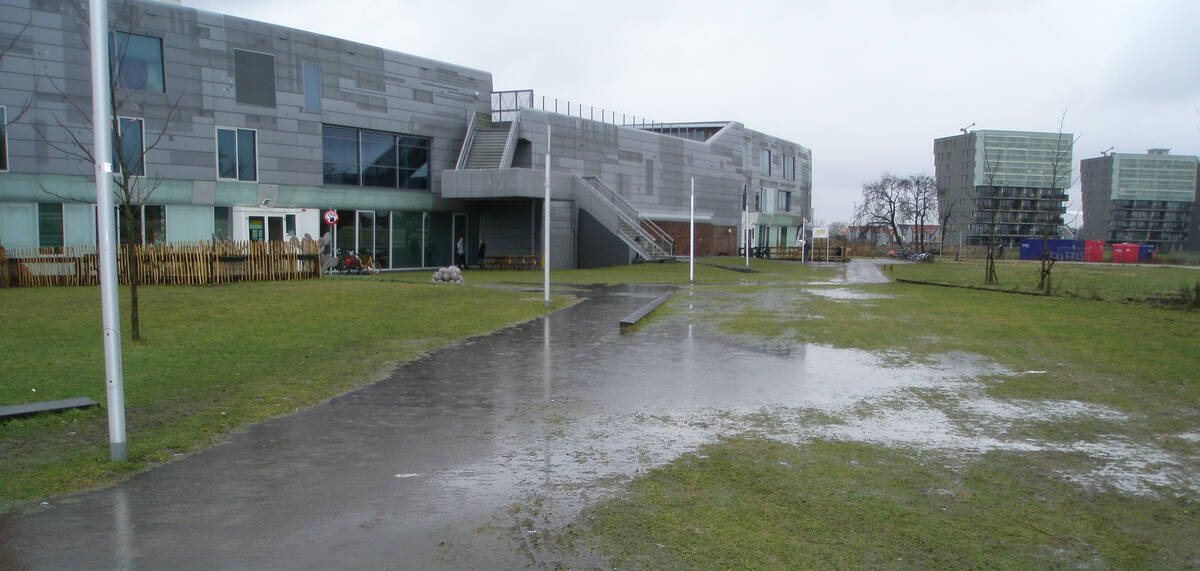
{"x":410,"y":472}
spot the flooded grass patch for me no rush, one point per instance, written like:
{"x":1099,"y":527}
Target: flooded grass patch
{"x":207,"y":366}
{"x":746,"y":503}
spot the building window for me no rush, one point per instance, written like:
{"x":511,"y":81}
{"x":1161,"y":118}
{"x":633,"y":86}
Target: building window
{"x":237,"y":154}
{"x":312,"y":87}
{"x":789,"y":167}
{"x":136,"y":61}
{"x":222,"y":223}
{"x":764,"y":162}
{"x":3,"y":139}
{"x":784,"y":201}
{"x":149,"y":224}
{"x":359,"y":157}
{"x":50,"y":225}
{"x":254,"y":78}
{"x":128,"y":149}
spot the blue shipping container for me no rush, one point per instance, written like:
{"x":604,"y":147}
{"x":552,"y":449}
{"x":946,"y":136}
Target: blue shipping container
{"x":1031,"y":248}
{"x":1145,"y":252}
{"x":1067,"y":250}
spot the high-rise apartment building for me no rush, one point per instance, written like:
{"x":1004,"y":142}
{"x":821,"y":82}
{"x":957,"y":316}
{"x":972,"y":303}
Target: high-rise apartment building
{"x":1003,"y":184}
{"x":1146,"y":199}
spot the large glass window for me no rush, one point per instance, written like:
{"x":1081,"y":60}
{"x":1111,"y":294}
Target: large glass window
{"x":3,"y":140}
{"x":414,"y":162}
{"x":149,"y":224}
{"x":50,"y":225}
{"x":764,"y":162}
{"x":254,"y":78}
{"x":312,"y":87}
{"x":340,"y":147}
{"x":237,"y":154}
{"x":377,"y":159}
{"x":136,"y":61}
{"x":128,"y":150}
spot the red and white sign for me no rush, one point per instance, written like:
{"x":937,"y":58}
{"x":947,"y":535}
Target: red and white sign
{"x":331,"y":217}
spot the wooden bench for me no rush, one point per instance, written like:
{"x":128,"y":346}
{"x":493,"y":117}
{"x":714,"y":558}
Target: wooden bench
{"x":19,"y":410}
{"x":522,"y":262}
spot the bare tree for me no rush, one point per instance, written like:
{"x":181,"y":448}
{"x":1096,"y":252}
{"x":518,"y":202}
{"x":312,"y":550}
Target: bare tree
{"x":1060,"y":170}
{"x":921,"y":204}
{"x":986,"y":200}
{"x":132,"y":187}
{"x":884,"y":204}
{"x":948,"y":210}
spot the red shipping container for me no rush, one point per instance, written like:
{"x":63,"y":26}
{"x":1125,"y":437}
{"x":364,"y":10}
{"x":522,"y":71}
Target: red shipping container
{"x":1125,"y":253}
{"x":1093,"y":250}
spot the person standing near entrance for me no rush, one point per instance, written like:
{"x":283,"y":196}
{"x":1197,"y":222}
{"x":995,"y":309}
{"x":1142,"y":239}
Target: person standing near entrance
{"x":460,"y":253}
{"x":482,"y":252}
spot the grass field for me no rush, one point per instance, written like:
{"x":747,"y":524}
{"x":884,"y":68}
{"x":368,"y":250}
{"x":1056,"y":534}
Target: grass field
{"x":651,"y":273}
{"x":213,"y":359}
{"x":1088,"y":281}
{"x":1039,"y":501}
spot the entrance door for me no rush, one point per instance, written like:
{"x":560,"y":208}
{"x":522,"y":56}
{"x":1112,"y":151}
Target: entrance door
{"x":275,"y":228}
{"x":460,"y":232}
{"x":258,"y":228}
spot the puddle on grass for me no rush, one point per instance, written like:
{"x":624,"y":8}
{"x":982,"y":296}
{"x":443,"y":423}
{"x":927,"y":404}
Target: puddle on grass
{"x":550,"y":416}
{"x":844,"y":294}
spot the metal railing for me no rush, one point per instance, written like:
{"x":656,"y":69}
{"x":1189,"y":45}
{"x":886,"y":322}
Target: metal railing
{"x":510,"y":143}
{"x":654,"y":235}
{"x":467,"y":140}
{"x":506,"y":104}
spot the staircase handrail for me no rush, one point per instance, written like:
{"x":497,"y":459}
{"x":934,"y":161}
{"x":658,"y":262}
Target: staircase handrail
{"x":510,"y":143}
{"x":466,"y":146}
{"x":629,"y":214}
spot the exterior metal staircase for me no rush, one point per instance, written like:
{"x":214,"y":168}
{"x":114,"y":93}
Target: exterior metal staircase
{"x":488,"y":145}
{"x":646,"y":238}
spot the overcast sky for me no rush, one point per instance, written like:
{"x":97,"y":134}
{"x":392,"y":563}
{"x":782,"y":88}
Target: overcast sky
{"x":866,"y":85}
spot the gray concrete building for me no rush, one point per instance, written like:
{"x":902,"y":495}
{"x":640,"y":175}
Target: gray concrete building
{"x":249,"y":131}
{"x":1010,"y":184}
{"x":1143,"y":198}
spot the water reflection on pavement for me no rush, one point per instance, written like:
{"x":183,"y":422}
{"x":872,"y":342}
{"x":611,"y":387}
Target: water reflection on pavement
{"x":418,"y":470}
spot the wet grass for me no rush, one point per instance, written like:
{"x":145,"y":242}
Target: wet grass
{"x":1138,"y":359}
{"x":752,"y":503}
{"x":213,"y":359}
{"x":749,"y":504}
{"x":1086,"y":281}
{"x":650,"y":273}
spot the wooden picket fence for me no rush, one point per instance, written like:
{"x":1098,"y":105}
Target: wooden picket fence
{"x":176,"y":263}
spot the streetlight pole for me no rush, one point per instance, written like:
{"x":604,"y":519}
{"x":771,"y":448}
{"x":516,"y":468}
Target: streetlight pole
{"x":107,"y":236}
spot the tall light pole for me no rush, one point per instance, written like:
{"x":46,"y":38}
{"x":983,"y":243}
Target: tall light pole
{"x":107,"y":235}
{"x":546,"y":227}
{"x":692,"y":236}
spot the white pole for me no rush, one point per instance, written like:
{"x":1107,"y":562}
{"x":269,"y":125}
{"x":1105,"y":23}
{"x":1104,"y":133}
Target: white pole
{"x":692,"y":236}
{"x":746,"y":221}
{"x":103,"y":169}
{"x":546,"y":228}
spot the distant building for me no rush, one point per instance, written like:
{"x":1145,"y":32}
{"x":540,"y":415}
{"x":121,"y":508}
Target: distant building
{"x":1014,"y":180}
{"x":1146,"y":199}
